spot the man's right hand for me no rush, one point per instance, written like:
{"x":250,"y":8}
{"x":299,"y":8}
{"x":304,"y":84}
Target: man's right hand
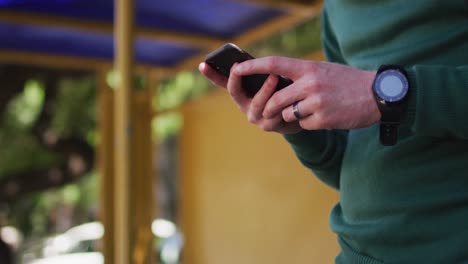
{"x":252,"y":107}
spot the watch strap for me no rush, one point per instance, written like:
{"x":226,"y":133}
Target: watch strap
{"x":388,"y":133}
{"x":391,"y":115}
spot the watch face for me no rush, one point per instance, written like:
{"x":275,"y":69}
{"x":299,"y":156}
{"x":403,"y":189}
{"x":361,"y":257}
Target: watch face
{"x":391,"y":85}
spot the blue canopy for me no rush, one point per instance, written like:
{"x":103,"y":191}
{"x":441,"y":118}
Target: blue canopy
{"x":217,"y":19}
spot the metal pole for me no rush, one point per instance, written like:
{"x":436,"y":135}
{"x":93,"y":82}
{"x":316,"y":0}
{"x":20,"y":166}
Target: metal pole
{"x":124,"y":65}
{"x":106,"y":163}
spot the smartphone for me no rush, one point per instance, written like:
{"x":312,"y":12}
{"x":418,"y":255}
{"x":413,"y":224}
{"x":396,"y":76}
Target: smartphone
{"x":222,"y":59}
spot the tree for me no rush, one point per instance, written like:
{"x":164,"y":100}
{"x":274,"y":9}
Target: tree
{"x":46,"y":127}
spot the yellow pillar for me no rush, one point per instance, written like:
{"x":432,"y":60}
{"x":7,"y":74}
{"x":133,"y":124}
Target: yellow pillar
{"x":142,"y":208}
{"x":142,"y":177}
{"x":106,"y":163}
{"x":133,"y":174}
{"x":124,"y":65}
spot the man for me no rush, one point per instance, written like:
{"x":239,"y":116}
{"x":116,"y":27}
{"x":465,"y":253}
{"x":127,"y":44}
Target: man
{"x":385,"y":122}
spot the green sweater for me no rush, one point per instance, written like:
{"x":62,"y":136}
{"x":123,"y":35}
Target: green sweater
{"x":406,"y":203}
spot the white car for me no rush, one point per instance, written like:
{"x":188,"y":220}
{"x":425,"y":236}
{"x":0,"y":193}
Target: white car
{"x":77,"y":245}
{"x":73,"y":258}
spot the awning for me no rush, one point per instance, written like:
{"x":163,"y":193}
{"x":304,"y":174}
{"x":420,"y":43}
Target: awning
{"x":170,"y":33}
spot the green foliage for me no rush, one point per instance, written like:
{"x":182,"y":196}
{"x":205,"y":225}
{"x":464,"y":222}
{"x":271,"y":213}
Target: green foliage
{"x":74,"y":114}
{"x":21,"y":153}
{"x":19,"y":149}
{"x":166,"y":125}
{"x":89,"y":187}
{"x":71,"y":194}
{"x":174,"y":92}
{"x":23,"y":110}
{"x":22,"y":215}
{"x":32,"y":214}
{"x":113,"y":79}
{"x":75,"y":110}
{"x":296,"y":42}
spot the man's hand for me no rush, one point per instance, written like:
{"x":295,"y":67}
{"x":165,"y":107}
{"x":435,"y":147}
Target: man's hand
{"x":252,"y":107}
{"x":328,"y":95}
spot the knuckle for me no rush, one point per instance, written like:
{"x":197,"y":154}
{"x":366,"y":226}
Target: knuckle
{"x":270,"y":80}
{"x":246,"y":66}
{"x":254,"y":106}
{"x":275,"y":101}
{"x":251,"y":118}
{"x":286,"y":116}
{"x":312,"y":68}
{"x":267,"y":127}
{"x":322,"y":122}
{"x":230,"y":91}
{"x":319,"y":122}
{"x":272,"y":62}
{"x":312,"y":84}
{"x":307,"y":124}
{"x":320,"y":102}
{"x":266,"y":113}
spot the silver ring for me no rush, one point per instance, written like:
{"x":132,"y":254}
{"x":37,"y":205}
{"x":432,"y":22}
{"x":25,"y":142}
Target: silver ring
{"x":295,"y":109}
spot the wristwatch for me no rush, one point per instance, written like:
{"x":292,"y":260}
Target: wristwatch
{"x":391,"y":89}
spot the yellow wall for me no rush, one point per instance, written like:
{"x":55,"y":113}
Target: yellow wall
{"x":245,"y":198}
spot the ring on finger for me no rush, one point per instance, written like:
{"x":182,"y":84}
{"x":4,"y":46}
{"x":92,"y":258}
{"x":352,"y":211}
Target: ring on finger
{"x":295,"y":109}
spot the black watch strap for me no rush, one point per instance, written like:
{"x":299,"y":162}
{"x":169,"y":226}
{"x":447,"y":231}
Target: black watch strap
{"x":389,"y":125}
{"x":388,"y":133}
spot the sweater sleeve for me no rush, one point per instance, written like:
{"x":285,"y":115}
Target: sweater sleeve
{"x":322,"y":152}
{"x":438,"y":97}
{"x":329,"y":42}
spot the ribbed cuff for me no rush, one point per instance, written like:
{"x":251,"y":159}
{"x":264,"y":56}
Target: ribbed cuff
{"x":348,"y":255}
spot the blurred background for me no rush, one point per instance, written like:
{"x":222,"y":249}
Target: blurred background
{"x":114,"y":149}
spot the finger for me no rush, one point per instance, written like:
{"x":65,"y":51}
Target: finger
{"x":260,"y":99}
{"x":284,"y":98}
{"x":216,"y":78}
{"x":291,"y":128}
{"x":234,"y":87}
{"x":318,"y":121}
{"x":283,"y":66}
{"x":304,"y":108}
{"x":278,"y":125}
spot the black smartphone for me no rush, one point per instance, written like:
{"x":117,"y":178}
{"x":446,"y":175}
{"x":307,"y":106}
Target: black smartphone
{"x":225,"y":56}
